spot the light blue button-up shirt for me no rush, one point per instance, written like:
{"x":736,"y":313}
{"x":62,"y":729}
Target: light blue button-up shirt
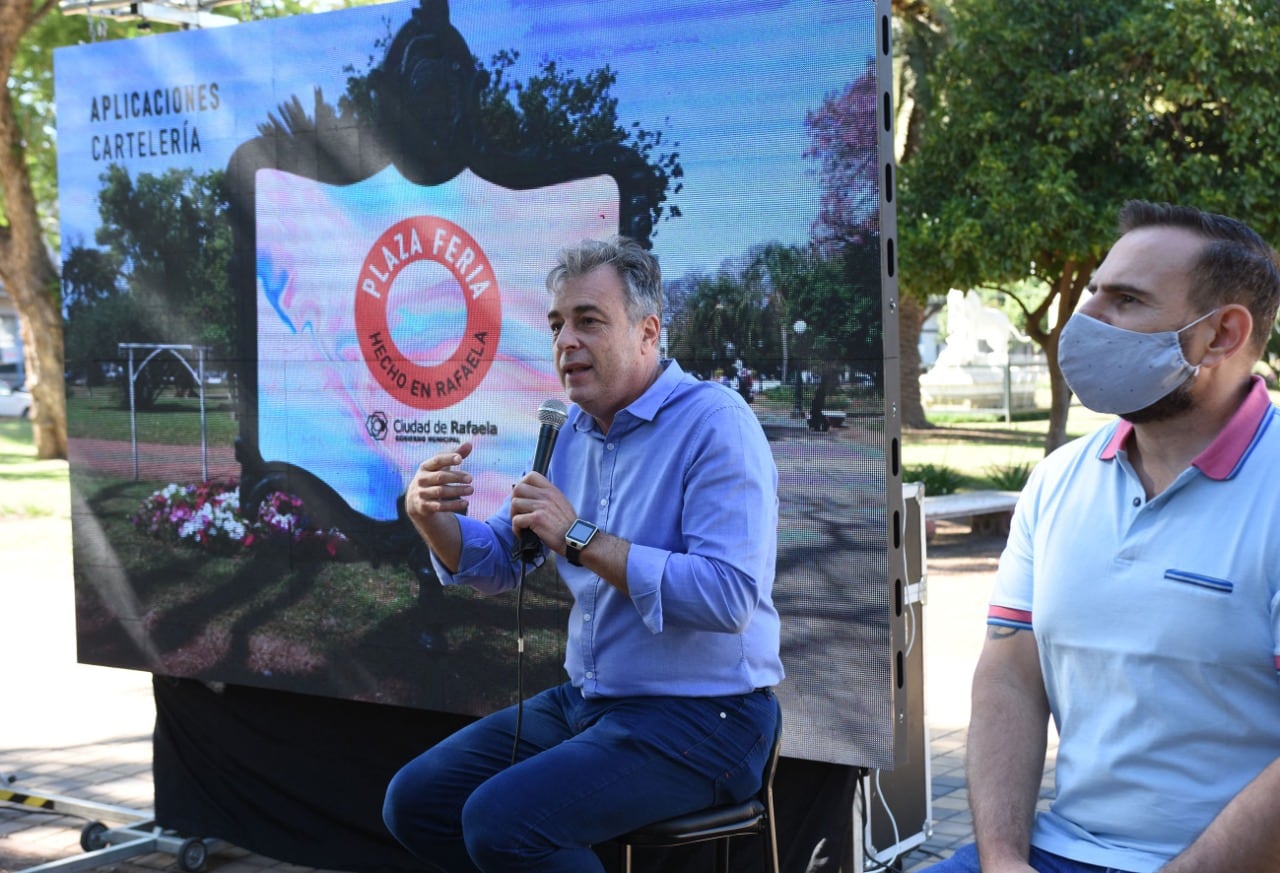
{"x":685,"y":475}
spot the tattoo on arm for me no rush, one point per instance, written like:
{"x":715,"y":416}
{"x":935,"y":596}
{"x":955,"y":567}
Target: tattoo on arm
{"x":1001,"y":632}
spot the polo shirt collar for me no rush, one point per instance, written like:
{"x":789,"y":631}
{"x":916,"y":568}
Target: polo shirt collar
{"x":1222,"y":457}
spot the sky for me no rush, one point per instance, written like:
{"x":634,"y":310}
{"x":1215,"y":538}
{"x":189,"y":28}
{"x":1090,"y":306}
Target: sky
{"x":729,"y":81}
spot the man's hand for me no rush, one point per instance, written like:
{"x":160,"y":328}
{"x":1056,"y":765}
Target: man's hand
{"x":435,"y":494}
{"x":437,"y":487}
{"x":538,"y":505}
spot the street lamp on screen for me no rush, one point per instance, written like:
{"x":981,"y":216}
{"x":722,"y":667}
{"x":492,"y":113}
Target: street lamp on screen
{"x":799,"y":327}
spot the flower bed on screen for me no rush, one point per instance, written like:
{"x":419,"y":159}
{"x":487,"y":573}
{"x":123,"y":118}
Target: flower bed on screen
{"x":206,"y":515}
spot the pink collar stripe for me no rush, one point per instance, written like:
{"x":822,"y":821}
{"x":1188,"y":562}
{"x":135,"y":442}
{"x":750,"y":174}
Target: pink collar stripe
{"x":1222,"y":457}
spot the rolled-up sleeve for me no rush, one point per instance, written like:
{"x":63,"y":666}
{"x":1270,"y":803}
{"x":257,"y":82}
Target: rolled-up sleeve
{"x":727,"y":522}
{"x":485,"y":563}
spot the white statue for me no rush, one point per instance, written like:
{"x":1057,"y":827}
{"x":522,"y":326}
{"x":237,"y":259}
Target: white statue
{"x":976,"y":333}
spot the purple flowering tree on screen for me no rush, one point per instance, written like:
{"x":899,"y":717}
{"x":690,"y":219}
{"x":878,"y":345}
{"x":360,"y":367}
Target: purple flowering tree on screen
{"x":842,"y":141}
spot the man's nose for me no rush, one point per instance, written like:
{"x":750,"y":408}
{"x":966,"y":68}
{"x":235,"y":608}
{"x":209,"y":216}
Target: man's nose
{"x":565,"y":338}
{"x":1093,"y":307}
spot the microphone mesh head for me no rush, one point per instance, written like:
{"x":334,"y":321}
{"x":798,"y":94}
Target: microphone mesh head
{"x":552,"y":412}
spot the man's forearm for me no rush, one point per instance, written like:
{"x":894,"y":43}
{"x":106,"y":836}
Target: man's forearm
{"x":1244,"y":838}
{"x":1006,"y":751}
{"x":443,"y":535}
{"x":606,"y":556}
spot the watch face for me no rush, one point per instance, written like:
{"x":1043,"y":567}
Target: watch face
{"x":580,"y":532}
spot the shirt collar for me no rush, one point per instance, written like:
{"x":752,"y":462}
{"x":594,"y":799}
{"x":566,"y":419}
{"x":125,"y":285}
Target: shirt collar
{"x":1222,"y":456}
{"x":643,"y":408}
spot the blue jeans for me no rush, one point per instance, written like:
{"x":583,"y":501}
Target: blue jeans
{"x":587,"y":771}
{"x":965,"y":860}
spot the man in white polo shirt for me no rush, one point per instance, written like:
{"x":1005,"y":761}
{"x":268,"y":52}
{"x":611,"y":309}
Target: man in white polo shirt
{"x":1137,"y":600}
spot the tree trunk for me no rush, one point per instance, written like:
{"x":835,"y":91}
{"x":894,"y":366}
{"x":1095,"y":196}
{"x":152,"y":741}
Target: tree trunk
{"x":910,"y":322}
{"x":1058,"y":409}
{"x":818,"y":421}
{"x":1060,"y":394}
{"x":1065,"y":295}
{"x":42,"y":347}
{"x":926,"y":37}
{"x":25,"y":267}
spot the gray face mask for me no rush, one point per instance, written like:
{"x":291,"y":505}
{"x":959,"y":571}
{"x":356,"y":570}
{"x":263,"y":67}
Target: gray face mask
{"x":1118,"y":371}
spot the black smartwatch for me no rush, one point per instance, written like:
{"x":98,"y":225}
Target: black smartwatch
{"x":576,"y":539}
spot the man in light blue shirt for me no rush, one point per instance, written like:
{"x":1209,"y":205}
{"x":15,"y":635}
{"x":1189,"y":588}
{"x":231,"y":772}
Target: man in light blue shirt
{"x":1137,"y":603}
{"x":660,"y":507}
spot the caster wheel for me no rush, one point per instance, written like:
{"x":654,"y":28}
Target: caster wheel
{"x":192,"y":855}
{"x":91,"y":836}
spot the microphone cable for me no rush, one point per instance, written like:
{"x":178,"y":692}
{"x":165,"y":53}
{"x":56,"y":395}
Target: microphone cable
{"x":551,"y":417}
{"x":515,"y":743}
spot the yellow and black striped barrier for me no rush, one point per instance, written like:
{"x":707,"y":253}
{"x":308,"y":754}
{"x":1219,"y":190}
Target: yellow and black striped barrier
{"x":30,"y":800}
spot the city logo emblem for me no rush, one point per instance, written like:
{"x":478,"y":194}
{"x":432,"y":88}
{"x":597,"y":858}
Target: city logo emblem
{"x":376,"y":425}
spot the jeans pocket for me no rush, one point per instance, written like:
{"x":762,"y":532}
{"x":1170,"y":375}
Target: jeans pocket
{"x":743,"y":779}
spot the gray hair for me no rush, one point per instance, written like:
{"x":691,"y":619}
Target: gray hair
{"x":641,"y":277}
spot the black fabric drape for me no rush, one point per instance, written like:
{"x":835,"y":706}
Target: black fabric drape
{"x":301,"y":778}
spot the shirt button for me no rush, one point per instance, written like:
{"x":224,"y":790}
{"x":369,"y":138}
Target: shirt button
{"x":1137,"y":501}
{"x":586,"y":616}
{"x":591,"y":674}
{"x":604,"y":501}
{"x":609,"y":446}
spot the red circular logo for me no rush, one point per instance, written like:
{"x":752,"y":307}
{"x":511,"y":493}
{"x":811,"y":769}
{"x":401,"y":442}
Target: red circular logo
{"x":427,"y":238}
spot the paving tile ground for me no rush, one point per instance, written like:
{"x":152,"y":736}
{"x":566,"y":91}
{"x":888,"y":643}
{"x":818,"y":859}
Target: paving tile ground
{"x":81,"y":732}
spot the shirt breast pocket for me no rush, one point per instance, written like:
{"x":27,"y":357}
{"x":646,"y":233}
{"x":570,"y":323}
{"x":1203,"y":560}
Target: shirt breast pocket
{"x":1199,"y":580}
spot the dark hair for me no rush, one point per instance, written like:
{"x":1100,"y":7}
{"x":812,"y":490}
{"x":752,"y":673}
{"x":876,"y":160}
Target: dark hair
{"x":641,"y":277}
{"x":1237,"y":265}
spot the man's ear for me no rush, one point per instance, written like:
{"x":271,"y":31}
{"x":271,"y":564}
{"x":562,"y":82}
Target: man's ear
{"x":651,"y":330}
{"x":1233,"y":335}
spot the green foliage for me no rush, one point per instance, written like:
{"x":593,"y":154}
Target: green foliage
{"x":29,"y":488}
{"x":837,"y":291}
{"x":937,"y":478}
{"x":1273,"y":346}
{"x":1009,"y":477}
{"x":93,"y":332}
{"x":723,"y":318}
{"x":160,"y":276}
{"x":171,"y":421}
{"x":750,"y":305}
{"x":31,"y":91}
{"x":840,"y":301}
{"x":992,"y":191}
{"x":15,"y":441}
{"x":1050,"y":114}
{"x":1056,"y":114}
{"x":557,"y":108}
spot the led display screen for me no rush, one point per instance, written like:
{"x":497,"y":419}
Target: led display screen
{"x":302,"y":255}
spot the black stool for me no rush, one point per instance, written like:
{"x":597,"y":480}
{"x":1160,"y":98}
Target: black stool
{"x":719,"y":823}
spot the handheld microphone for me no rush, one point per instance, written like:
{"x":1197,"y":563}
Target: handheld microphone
{"x":551,"y":414}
